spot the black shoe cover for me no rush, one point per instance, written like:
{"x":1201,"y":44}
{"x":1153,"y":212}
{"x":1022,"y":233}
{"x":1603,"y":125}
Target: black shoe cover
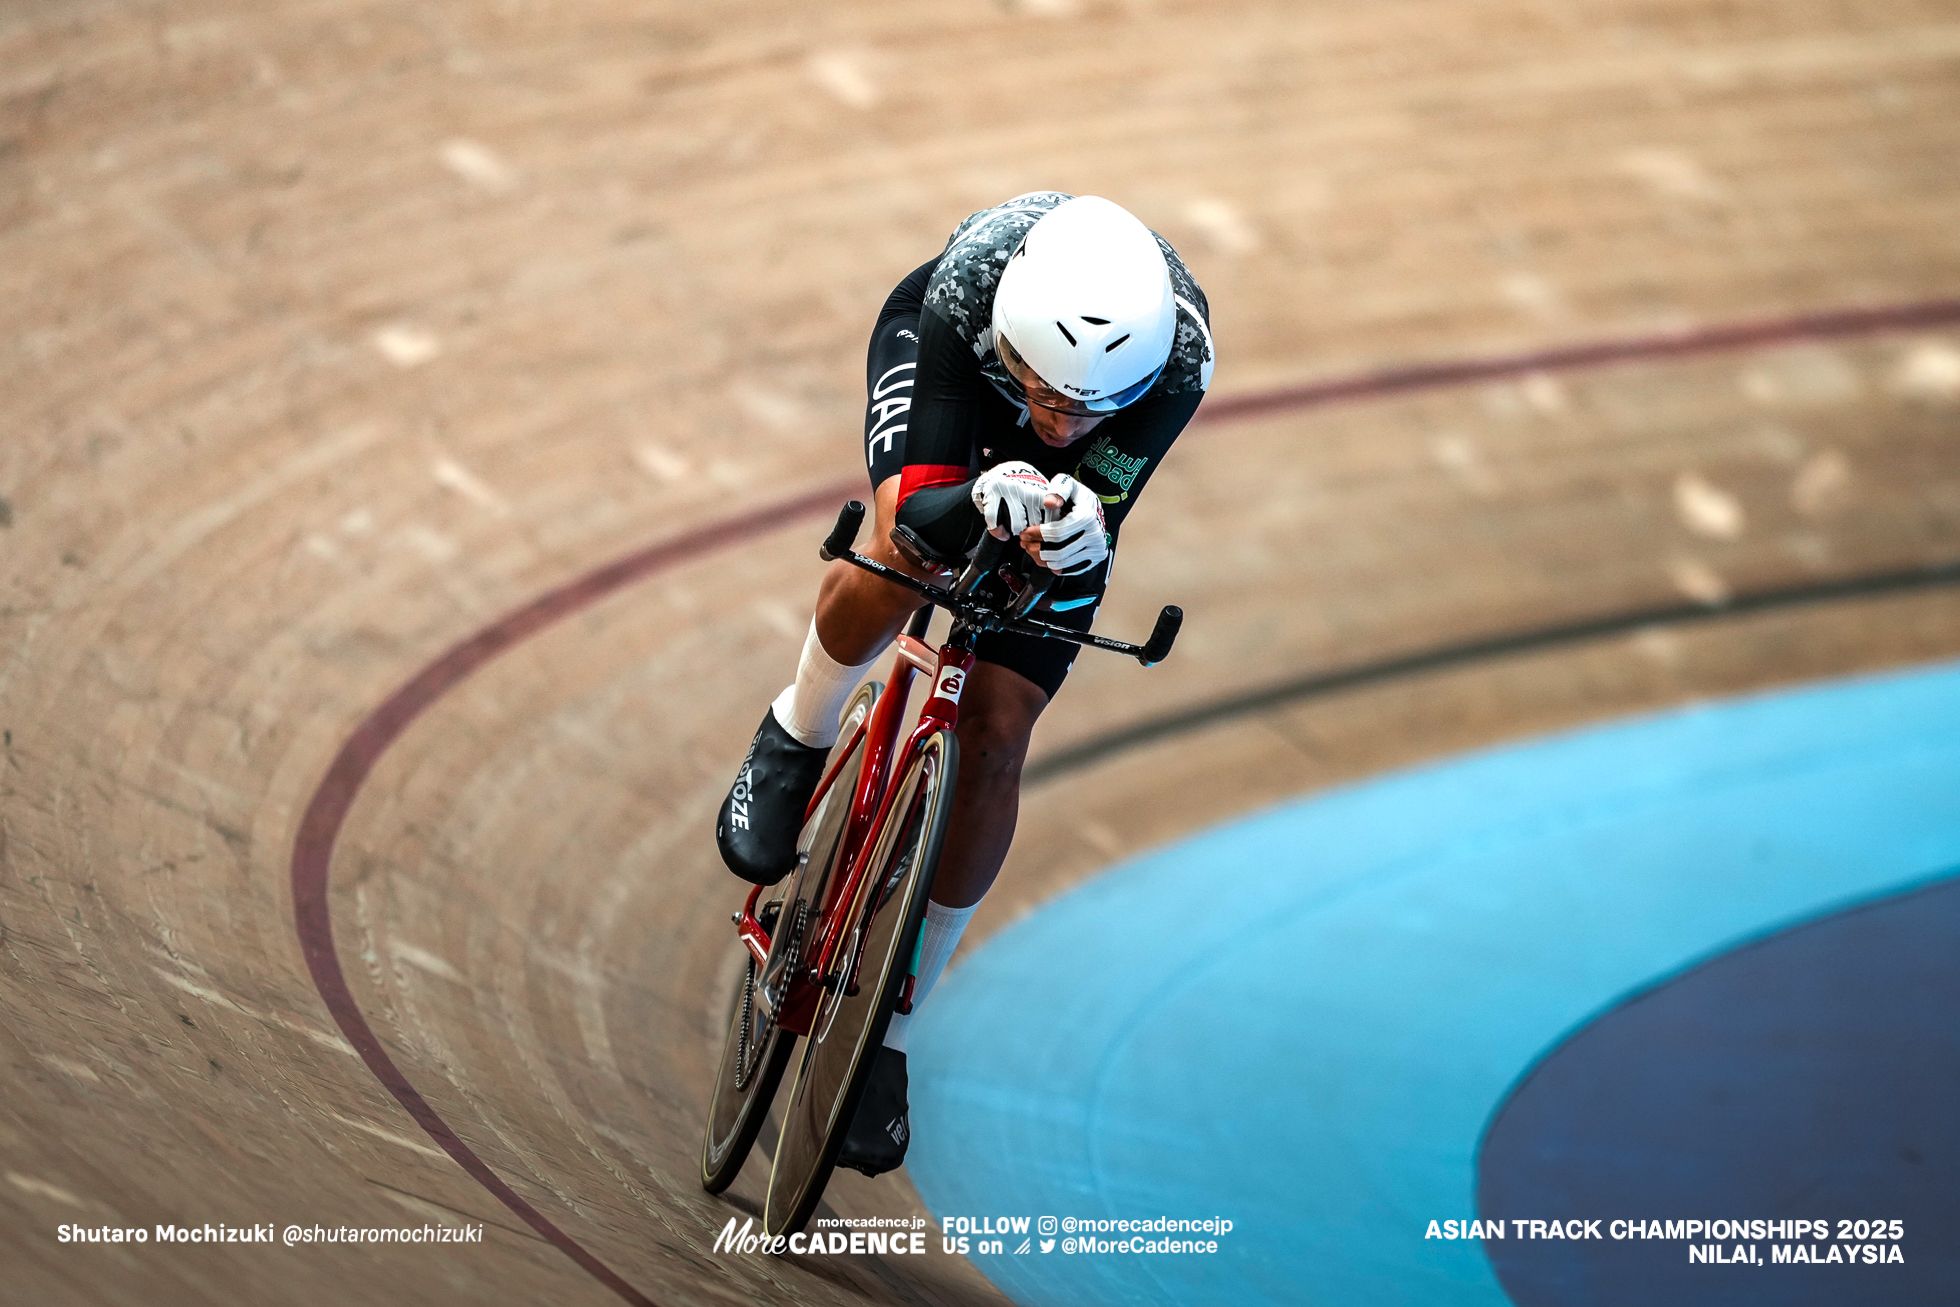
{"x":760,"y":819}
{"x":882,"y":1127}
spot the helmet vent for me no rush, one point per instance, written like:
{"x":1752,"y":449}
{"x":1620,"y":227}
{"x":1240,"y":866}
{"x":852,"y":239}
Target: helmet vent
{"x":1114,"y":343}
{"x":1097,"y":322}
{"x":1064,"y":330}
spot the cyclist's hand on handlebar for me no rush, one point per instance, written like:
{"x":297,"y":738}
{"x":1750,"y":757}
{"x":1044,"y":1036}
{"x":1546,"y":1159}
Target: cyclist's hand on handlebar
{"x":1073,"y":539}
{"x":1020,"y":489}
{"x":1031,"y":540}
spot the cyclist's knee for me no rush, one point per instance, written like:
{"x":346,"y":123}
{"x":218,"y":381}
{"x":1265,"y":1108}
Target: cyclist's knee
{"x":994,"y":752}
{"x":997,"y":716}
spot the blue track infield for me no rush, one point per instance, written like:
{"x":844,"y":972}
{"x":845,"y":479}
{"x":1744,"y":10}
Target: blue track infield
{"x":1811,"y":1076}
{"x":1304,"y":1021}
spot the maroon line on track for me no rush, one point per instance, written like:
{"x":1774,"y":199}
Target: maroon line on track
{"x":313,"y":847}
{"x":327,"y":810}
{"x":1752,"y":333}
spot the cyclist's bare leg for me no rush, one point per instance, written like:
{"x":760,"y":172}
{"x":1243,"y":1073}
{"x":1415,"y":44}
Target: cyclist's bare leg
{"x":997,"y":715}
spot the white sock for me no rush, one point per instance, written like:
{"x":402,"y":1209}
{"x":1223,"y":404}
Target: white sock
{"x":940,"y":935}
{"x":808,"y":708}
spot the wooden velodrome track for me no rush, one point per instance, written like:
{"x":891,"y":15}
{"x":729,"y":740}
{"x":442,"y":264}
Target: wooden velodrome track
{"x":335,"y":331}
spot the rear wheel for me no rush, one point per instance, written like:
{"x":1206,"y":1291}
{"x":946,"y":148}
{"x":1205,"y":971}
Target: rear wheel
{"x":752,"y":1060}
{"x":756,"y":1051}
{"x":850,"y":1020}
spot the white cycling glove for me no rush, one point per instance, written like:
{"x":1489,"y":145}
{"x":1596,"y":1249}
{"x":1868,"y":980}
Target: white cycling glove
{"x":1018,"y":486}
{"x":1077,"y":539}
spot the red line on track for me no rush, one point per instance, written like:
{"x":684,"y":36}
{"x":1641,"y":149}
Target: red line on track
{"x":327,"y":810}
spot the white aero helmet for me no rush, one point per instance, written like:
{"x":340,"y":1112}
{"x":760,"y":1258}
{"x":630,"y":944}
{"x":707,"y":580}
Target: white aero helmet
{"x":1086,"y":302}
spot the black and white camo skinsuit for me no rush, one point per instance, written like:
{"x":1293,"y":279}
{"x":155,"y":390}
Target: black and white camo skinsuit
{"x":940,"y":411}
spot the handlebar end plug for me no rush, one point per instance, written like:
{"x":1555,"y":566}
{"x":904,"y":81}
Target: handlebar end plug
{"x":844,"y":534}
{"x":1162,"y":636}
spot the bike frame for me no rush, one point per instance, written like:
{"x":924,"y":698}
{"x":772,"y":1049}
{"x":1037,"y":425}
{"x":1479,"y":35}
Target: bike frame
{"x":874,"y":797}
{"x":872,"y":802}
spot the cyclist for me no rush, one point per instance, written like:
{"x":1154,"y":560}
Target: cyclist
{"x":1026,"y":381}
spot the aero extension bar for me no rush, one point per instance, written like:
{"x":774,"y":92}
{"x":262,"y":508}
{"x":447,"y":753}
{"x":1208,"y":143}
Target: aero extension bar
{"x":987,"y":618}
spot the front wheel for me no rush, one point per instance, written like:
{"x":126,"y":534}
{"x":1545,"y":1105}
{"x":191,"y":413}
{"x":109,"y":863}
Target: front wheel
{"x":850,"y":1020}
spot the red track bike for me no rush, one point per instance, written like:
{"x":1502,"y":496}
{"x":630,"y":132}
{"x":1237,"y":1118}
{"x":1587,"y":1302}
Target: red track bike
{"x":837,"y":953}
